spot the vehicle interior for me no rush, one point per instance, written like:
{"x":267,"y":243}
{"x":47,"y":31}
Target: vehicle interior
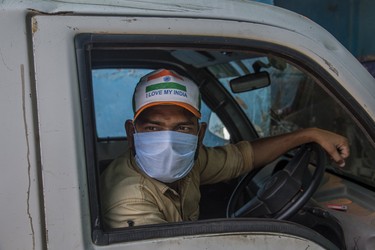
{"x":249,"y":90}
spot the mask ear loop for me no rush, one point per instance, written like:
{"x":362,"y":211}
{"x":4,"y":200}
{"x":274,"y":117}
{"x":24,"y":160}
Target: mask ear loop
{"x":199,"y":126}
{"x":135,"y":128}
{"x":198,"y":144}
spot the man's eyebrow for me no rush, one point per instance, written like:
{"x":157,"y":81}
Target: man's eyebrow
{"x":145,"y":120}
{"x":186,"y":123}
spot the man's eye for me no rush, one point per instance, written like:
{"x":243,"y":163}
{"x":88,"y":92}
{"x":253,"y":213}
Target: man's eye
{"x":151,"y":128}
{"x":184,"y":129}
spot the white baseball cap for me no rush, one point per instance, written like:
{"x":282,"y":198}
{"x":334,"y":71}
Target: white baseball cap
{"x":166,"y":87}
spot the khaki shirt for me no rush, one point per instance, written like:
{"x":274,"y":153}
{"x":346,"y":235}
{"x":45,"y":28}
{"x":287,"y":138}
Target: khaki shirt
{"x":129,"y":197}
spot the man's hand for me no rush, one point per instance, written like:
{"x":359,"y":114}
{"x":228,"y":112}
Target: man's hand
{"x":336,"y":145}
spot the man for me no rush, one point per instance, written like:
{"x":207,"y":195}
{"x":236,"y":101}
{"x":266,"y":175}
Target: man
{"x":157,"y":180}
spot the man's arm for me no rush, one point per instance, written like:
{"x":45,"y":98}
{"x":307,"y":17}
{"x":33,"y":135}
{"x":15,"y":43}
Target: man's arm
{"x":133,"y":212}
{"x":268,"y":149}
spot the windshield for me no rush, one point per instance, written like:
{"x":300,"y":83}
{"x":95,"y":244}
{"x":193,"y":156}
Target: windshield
{"x":295,"y":100}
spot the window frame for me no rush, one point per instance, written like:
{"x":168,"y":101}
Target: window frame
{"x":86,"y":43}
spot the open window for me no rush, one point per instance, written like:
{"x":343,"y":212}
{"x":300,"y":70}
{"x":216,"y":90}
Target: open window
{"x":111,"y":65}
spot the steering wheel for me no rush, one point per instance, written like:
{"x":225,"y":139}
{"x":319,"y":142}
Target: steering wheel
{"x":285,"y":192}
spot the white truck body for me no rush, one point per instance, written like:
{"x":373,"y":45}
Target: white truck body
{"x":44,"y":196}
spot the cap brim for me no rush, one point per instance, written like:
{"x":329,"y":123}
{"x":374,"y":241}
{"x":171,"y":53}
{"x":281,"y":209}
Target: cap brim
{"x":188,"y":107}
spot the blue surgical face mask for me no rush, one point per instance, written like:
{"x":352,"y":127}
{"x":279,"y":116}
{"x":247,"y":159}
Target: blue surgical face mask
{"x":165,"y":155}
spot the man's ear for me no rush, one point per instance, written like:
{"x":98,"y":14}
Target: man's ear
{"x":202,"y":131}
{"x":130,"y":130}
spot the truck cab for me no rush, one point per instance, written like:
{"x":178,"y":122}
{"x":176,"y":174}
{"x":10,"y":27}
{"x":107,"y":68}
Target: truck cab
{"x":68,"y":72}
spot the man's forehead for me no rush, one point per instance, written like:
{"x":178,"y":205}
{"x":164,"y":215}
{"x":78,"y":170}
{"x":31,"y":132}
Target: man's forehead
{"x":166,"y":109}
{"x":166,"y":112}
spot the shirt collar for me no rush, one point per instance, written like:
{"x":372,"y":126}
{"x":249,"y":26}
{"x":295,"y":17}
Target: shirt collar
{"x":163,"y":188}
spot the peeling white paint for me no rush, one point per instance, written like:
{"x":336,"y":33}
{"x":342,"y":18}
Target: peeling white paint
{"x":24,"y":94}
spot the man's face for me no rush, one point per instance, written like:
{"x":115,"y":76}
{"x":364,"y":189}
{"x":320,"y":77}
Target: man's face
{"x":167,"y":117}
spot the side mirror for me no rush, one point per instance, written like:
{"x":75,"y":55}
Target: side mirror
{"x":250,"y":82}
{"x":216,"y":127}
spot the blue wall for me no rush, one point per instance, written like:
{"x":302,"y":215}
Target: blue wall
{"x":352,"y":22}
